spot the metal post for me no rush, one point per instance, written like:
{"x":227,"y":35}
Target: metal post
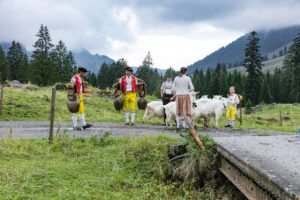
{"x":1,"y":98}
{"x":52,"y":113}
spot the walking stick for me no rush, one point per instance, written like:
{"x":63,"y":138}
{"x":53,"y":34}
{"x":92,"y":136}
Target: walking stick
{"x":193,"y":132}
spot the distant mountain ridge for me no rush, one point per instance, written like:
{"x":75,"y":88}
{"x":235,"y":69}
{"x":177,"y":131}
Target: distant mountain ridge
{"x":92,"y":62}
{"x":273,"y":43}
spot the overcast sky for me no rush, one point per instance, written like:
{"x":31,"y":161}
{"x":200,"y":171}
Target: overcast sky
{"x":176,"y":32}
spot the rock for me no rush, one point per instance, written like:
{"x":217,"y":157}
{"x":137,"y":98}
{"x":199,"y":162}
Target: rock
{"x":44,"y":97}
{"x":17,"y":84}
{"x":176,"y":150}
{"x":61,"y":86}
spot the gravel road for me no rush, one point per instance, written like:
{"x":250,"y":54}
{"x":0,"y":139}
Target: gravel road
{"x":41,"y":129}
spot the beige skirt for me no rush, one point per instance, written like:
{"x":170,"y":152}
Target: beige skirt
{"x":183,"y":105}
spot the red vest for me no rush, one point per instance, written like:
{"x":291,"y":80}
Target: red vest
{"x":123,"y":84}
{"x":78,"y":84}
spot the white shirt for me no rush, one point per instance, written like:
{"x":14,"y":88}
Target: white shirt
{"x":233,"y":99}
{"x":128,"y":83}
{"x":182,"y":85}
{"x":166,"y":87}
{"x":73,"y":80}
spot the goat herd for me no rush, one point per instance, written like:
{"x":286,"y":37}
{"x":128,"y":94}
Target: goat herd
{"x":204,"y":108}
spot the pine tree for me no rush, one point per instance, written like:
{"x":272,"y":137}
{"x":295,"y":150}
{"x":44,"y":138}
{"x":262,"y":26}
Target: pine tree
{"x":207,"y":83}
{"x":265,"y":95}
{"x":171,"y":73}
{"x":223,"y":86}
{"x":4,"y":67}
{"x":22,"y":72}
{"x":276,"y":86}
{"x":201,"y":82}
{"x":145,"y":73}
{"x":292,"y":70}
{"x":103,"y":77}
{"x":253,"y":65}
{"x":41,"y":69}
{"x":15,"y":56}
{"x":215,"y":83}
{"x":63,"y":63}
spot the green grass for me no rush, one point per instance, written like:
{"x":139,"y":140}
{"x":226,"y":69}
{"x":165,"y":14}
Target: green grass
{"x":268,"y":118}
{"x":91,"y":168}
{"x":19,"y":105}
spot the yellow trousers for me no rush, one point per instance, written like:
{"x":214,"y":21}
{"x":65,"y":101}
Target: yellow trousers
{"x":129,"y":98}
{"x":81,"y":107}
{"x":231,"y":112}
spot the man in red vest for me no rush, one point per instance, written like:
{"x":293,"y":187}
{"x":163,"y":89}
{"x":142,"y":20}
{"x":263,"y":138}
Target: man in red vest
{"x":128,"y":87}
{"x":78,"y":84}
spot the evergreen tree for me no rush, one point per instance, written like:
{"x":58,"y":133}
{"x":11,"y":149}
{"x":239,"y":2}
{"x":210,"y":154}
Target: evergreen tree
{"x":22,"y":72}
{"x":223,"y":86}
{"x":103,"y":79}
{"x":215,"y":83}
{"x":63,"y":63}
{"x":207,"y":78}
{"x":15,"y":58}
{"x":201,"y":82}
{"x":147,"y":74}
{"x":4,"y":67}
{"x":170,"y":72}
{"x":41,"y":69}
{"x":196,"y":80}
{"x":276,"y":85}
{"x":265,"y":95}
{"x":253,"y":64}
{"x":292,"y":71}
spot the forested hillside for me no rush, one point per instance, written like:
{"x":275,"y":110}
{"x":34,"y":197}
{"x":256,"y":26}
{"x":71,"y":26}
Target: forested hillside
{"x":274,"y":43}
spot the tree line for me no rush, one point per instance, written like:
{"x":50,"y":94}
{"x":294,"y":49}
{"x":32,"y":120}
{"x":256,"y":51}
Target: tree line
{"x":51,"y":63}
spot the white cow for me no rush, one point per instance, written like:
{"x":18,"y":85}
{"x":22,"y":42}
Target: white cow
{"x":154,"y":109}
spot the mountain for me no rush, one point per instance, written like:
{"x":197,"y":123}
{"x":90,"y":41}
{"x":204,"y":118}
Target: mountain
{"x":274,"y":43}
{"x":92,"y":62}
{"x":82,"y":58}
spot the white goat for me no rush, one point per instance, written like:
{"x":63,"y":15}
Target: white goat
{"x":170,"y":109}
{"x":210,"y":108}
{"x":154,"y":109}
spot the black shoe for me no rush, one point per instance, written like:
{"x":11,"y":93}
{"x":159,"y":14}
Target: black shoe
{"x":132,"y":124}
{"x":76,"y":128}
{"x":227,"y":126}
{"x":127,"y":124}
{"x":231,"y":126}
{"x":87,"y":126}
{"x":177,"y":129}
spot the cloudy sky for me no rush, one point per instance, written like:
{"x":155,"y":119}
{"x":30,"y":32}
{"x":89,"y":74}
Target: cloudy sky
{"x":176,"y":32}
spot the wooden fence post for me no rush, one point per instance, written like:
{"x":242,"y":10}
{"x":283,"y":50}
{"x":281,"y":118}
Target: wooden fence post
{"x":241,"y":116}
{"x":1,"y":98}
{"x":52,"y":113}
{"x":280,"y":118}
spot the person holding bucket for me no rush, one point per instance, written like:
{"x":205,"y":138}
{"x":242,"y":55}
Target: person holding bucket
{"x":128,"y":85}
{"x":78,"y":85}
{"x":166,"y":93}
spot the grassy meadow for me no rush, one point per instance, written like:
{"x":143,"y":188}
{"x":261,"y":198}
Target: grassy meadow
{"x":23,"y":105}
{"x":97,"y":168}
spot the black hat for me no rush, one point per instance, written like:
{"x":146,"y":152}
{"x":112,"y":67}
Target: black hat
{"x":183,"y":70}
{"x":129,"y":69}
{"x":82,"y":69}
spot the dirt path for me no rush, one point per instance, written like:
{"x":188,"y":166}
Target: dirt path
{"x":41,"y":129}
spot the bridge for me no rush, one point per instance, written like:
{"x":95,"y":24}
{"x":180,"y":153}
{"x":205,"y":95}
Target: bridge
{"x":262,"y":164}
